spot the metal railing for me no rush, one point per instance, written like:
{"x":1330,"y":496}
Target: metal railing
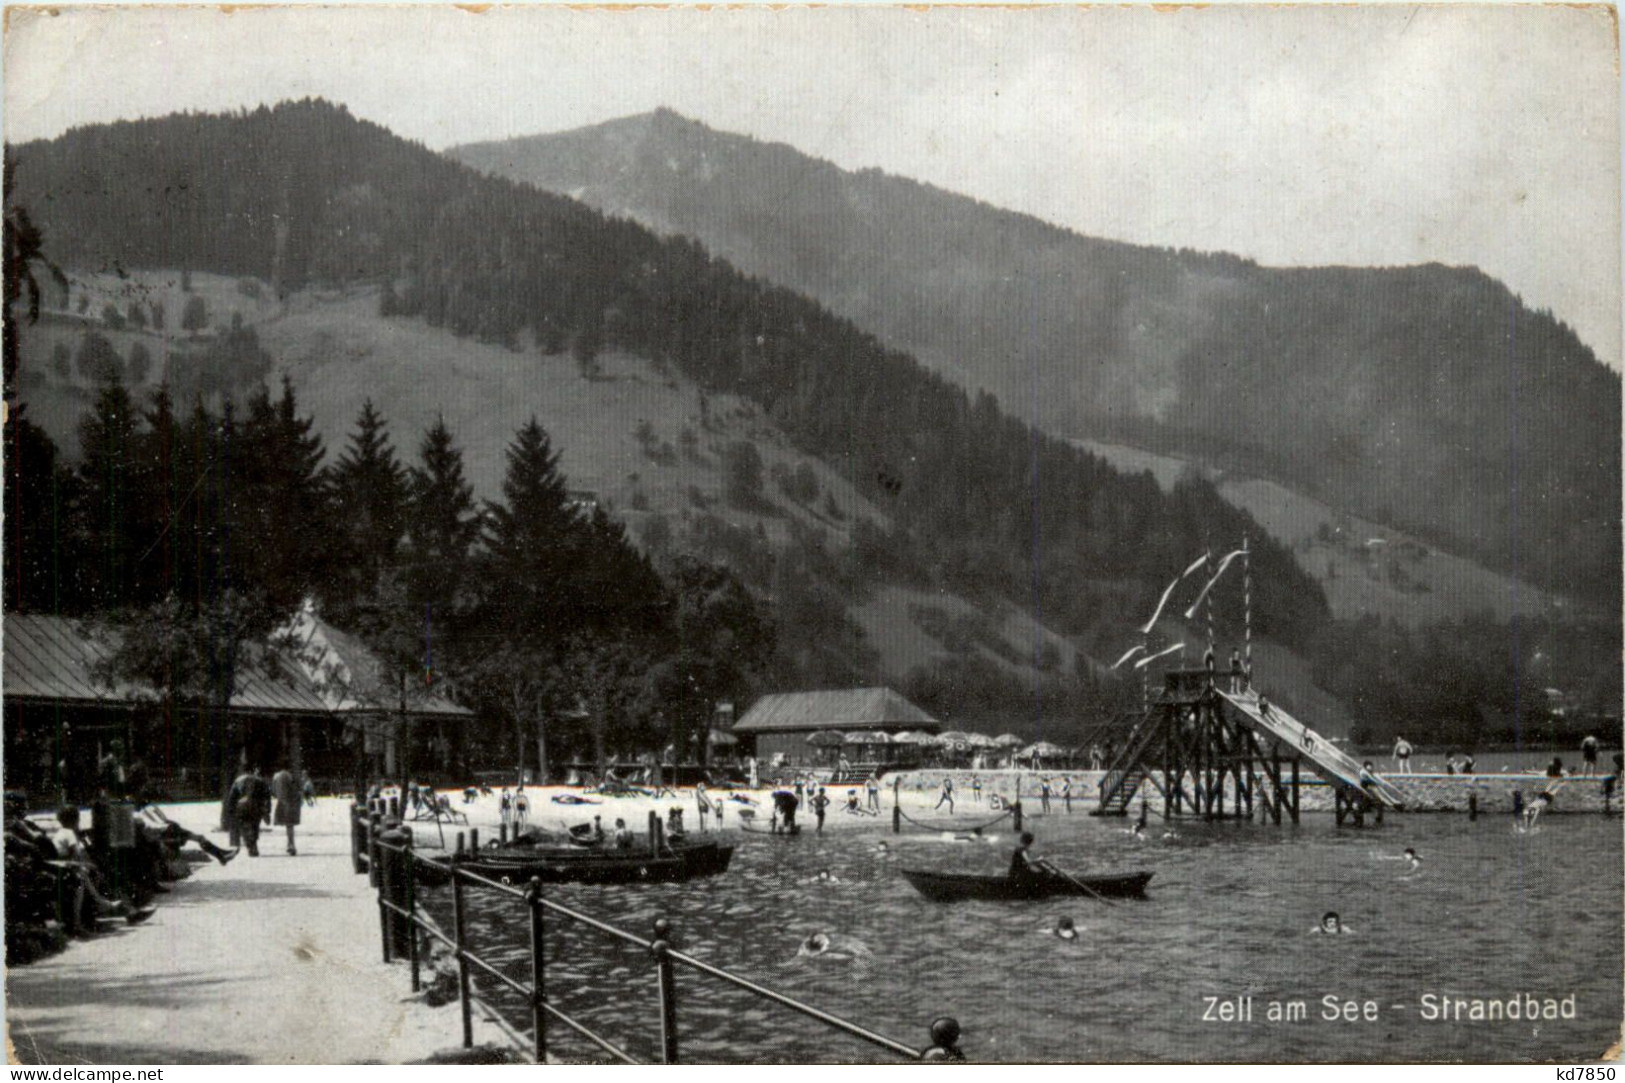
{"x":392,"y":865}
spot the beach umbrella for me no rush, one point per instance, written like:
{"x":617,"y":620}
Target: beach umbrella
{"x":1043,"y":748}
{"x":909,"y":737}
{"x":1008,"y":740}
{"x":826,"y":739}
{"x":867,"y":737}
{"x":953,"y":737}
{"x":723,"y":737}
{"x":980,"y":740}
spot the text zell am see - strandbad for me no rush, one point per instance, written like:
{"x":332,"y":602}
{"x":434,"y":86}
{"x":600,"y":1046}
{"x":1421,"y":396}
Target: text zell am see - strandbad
{"x":1430,"y":1008}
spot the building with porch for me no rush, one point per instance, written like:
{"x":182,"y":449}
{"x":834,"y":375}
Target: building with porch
{"x":63,"y":716}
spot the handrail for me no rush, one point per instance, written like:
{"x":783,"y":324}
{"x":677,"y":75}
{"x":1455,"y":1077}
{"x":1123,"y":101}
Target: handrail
{"x":400,"y":878}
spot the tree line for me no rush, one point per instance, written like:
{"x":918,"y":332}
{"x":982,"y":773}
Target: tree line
{"x":197,"y":535}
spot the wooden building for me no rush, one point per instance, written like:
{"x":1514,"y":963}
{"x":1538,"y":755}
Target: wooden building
{"x":779,"y":724}
{"x":63,"y":717}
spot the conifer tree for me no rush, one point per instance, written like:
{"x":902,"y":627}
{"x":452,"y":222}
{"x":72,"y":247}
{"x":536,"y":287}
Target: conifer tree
{"x":369,"y":493}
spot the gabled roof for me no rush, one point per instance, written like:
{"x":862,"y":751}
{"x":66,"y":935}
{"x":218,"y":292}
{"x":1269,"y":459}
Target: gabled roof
{"x":840,"y":708}
{"x":55,"y":658}
{"x":349,"y":677}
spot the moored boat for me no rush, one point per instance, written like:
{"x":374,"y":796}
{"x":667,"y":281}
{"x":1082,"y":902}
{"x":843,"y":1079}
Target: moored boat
{"x":955,"y":886}
{"x":571,"y":864}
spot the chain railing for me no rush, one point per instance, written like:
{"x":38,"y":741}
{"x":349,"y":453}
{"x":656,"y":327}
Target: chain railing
{"x":384,"y":849}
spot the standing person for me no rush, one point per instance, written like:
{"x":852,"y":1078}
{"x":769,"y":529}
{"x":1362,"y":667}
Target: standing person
{"x":623,"y":836}
{"x":310,"y":791}
{"x":250,"y":801}
{"x":975,"y":790}
{"x":1555,"y":768}
{"x":1043,"y":795}
{"x":1402,"y":756}
{"x":702,"y":802}
{"x":521,"y":808}
{"x":755,"y":777}
{"x":872,"y":789}
{"x":947,"y":793}
{"x":1467,"y":763}
{"x":290,"y":800}
{"x":1235,"y":672}
{"x":820,"y":804}
{"x":505,"y":807}
{"x":1588,"y":756}
{"x":1066,"y":792}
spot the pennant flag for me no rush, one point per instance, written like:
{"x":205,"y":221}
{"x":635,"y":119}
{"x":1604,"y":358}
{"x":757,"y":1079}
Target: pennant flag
{"x":1152,"y":658}
{"x":1223,"y":564}
{"x":1152,"y":623}
{"x":1132,"y":651}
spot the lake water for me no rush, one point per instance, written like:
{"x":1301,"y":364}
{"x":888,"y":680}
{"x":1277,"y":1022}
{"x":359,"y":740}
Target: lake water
{"x":1491,"y":914}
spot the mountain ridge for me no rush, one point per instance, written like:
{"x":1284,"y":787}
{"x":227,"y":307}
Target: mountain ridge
{"x":1416,"y":391}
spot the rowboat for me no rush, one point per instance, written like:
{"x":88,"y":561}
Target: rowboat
{"x":955,"y":886}
{"x":570,"y":864}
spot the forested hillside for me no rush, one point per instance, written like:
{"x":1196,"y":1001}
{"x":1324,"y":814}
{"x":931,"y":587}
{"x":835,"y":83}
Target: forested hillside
{"x":1429,"y":398}
{"x":304,"y":194}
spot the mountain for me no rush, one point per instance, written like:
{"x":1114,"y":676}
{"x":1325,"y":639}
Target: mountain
{"x":1429,"y":398}
{"x":364,"y":265}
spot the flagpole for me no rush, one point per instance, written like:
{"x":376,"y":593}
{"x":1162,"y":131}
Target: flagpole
{"x":1247,"y":611}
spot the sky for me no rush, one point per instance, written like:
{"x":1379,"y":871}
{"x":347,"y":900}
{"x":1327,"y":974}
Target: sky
{"x":1373,"y":135}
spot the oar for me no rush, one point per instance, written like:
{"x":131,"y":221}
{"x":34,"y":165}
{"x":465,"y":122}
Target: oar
{"x":1068,"y":876}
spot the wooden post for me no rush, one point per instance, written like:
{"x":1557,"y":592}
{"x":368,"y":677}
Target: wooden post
{"x":409,"y":868}
{"x":654,"y":833}
{"x":474,"y":840}
{"x":1295,"y":762}
{"x":374,"y":827}
{"x":459,"y":924}
{"x":896,"y":805}
{"x":538,"y":968}
{"x":666,"y":981}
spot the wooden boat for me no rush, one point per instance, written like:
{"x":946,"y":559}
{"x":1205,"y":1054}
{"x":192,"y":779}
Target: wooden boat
{"x":578,"y":865}
{"x":955,"y":886}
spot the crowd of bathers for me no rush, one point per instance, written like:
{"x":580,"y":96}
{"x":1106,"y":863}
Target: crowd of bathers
{"x":65,"y":881}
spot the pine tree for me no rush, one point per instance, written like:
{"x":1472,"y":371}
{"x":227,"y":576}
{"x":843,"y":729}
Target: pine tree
{"x":443,"y":525}
{"x":37,"y":544}
{"x":533,"y":541}
{"x":369,"y":493}
{"x":105,"y":516}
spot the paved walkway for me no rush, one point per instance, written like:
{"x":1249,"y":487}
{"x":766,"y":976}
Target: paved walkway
{"x":269,"y":960}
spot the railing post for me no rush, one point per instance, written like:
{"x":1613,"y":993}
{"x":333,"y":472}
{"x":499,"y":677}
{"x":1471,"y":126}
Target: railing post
{"x":358,"y":837}
{"x":377,"y":877}
{"x":459,"y":925}
{"x":374,"y":826}
{"x":944,"y":1040}
{"x":538,"y":989}
{"x":408,"y":867}
{"x":666,"y":980}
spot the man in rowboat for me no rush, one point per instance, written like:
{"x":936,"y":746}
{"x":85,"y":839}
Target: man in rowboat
{"x":1023,"y":865}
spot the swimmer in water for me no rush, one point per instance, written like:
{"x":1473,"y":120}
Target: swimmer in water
{"x":826,"y":877}
{"x":883,"y":847}
{"x":1540,"y":804}
{"x":815,"y":944}
{"x":1331,"y":925}
{"x":1138,"y":831}
{"x":1413,"y":859}
{"x":1065,"y":929}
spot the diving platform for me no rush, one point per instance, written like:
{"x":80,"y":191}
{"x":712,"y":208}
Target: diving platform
{"x":1213,"y":748}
